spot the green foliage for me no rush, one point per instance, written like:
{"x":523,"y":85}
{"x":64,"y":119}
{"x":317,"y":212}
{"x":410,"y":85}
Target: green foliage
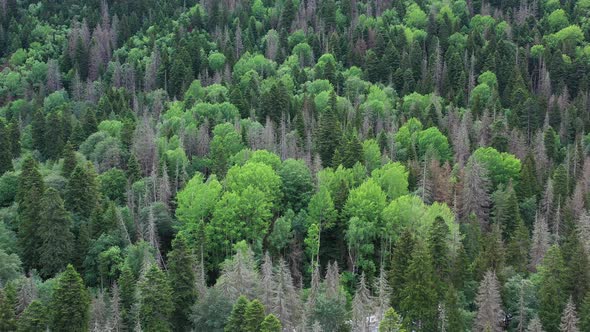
{"x":70,"y":303}
{"x":502,"y":167}
{"x":271,"y":324}
{"x":155,"y":300}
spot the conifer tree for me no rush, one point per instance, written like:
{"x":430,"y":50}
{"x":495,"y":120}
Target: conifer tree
{"x":552,"y":289}
{"x":29,"y":194}
{"x":127,"y":285}
{"x":391,"y":322}
{"x":70,"y":161}
{"x":271,"y":324}
{"x":439,"y":251}
{"x":38,"y":131}
{"x":235,"y":322}
{"x":56,"y":239}
{"x":54,"y":133}
{"x":362,"y":306}
{"x":489,"y":304}
{"x":402,"y":256}
{"x":133,"y":171}
{"x":14,"y":137}
{"x":155,"y":306}
{"x":329,"y":133}
{"x":535,"y":325}
{"x":7,"y":308}
{"x":34,"y":318}
{"x":419,"y":298}
{"x":585,"y":314}
{"x":82,"y":191}
{"x":5,"y":149}
{"x":70,"y":303}
{"x":253,"y":316}
{"x":518,"y":247}
{"x":569,"y":318}
{"x":182,"y":280}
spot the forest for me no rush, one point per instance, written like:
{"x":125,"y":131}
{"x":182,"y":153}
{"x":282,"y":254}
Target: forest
{"x":295,"y":165}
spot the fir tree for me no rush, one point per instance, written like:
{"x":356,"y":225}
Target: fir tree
{"x":585,"y":314}
{"x":271,"y":324}
{"x":14,"y":137}
{"x":38,"y":131}
{"x":127,"y":285}
{"x":182,"y":280}
{"x":133,"y":171}
{"x":253,"y":316}
{"x":535,"y":325}
{"x":518,"y":248}
{"x":402,"y":256}
{"x":155,"y":305}
{"x":439,"y":251}
{"x":70,"y":303}
{"x":56,"y":239}
{"x":54,"y":133}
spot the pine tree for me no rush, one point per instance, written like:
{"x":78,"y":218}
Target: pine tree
{"x":155,"y":305}
{"x":70,"y":303}
{"x":235,"y":322}
{"x":569,"y":319}
{"x":28,"y":196}
{"x":5,"y":149}
{"x":70,"y":160}
{"x":271,"y":324}
{"x":7,"y":308}
{"x":552,"y":289}
{"x":56,"y":239}
{"x":253,"y":316}
{"x":419,"y":298}
{"x":391,"y":322}
{"x":182,"y":280}
{"x":82,"y":191}
{"x":489,"y":304}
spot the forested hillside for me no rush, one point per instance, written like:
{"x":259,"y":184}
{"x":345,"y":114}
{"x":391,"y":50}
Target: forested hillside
{"x":295,"y":165}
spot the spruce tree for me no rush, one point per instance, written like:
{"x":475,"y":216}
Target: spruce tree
{"x":402,"y":256}
{"x":391,"y":322}
{"x":35,"y":318}
{"x":14,"y":137}
{"x":82,"y":191}
{"x":439,"y":251}
{"x":70,"y":303}
{"x":7,"y":308}
{"x":133,"y":171}
{"x":552,"y":289}
{"x":127,"y":285}
{"x":253,"y":316}
{"x":235,"y":322}
{"x":454,"y":318}
{"x":155,"y":303}
{"x":419,"y":298}
{"x":271,"y":324}
{"x":56,"y":239}
{"x":585,"y":314}
{"x":54,"y":133}
{"x":5,"y":149}
{"x":38,"y":131}
{"x":182,"y":279}
{"x":518,"y":248}
{"x":28,"y":196}
{"x":329,"y":132}
{"x":70,"y":161}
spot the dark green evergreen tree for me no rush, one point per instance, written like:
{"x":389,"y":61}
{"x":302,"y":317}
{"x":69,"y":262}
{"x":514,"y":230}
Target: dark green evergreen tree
{"x":155,"y":303}
{"x":439,"y":251}
{"x":29,"y":194}
{"x":70,"y":303}
{"x":182,"y":280}
{"x":402,"y":256}
{"x":82,"y":191}
{"x":7,"y":308}
{"x":253,"y":316}
{"x":5,"y":149}
{"x":329,"y":133}
{"x":552,"y":289}
{"x":56,"y":239}
{"x":235,"y":321}
{"x":271,"y":324}
{"x":35,"y":318}
{"x":70,"y":161}
{"x":38,"y":131}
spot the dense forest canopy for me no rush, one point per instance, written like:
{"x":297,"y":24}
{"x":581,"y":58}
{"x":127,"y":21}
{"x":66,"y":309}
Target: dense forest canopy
{"x":295,"y":165}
